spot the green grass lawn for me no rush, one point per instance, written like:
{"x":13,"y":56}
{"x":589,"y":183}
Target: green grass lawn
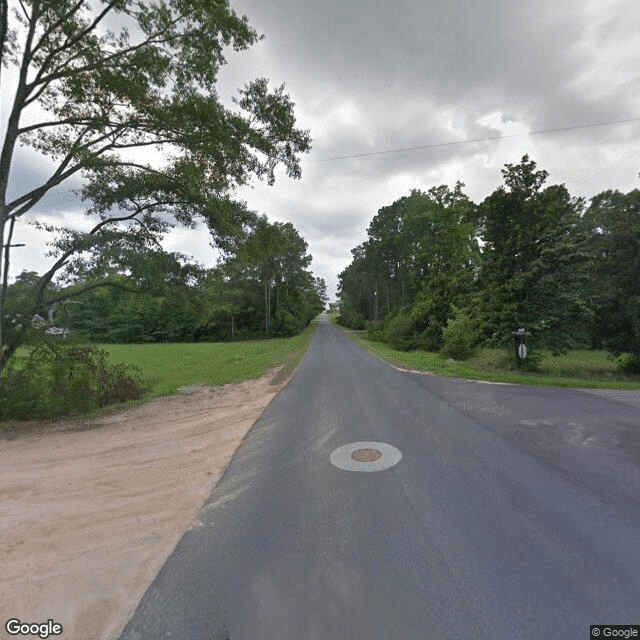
{"x":586,"y":369}
{"x":167,"y":367}
{"x":170,"y":366}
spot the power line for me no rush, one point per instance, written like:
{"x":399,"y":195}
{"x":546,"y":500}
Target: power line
{"x":616,"y":164}
{"x":472,"y":140}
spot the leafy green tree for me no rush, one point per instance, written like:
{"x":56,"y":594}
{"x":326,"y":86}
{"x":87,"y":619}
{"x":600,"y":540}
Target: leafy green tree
{"x":532,"y":259}
{"x":230,"y":305}
{"x":357,"y":291}
{"x":18,"y":307}
{"x":459,"y":337}
{"x":226,"y":302}
{"x":420,"y":259}
{"x":613,"y":220}
{"x":320,"y":287}
{"x":271,"y":261}
{"x":445,"y":255}
{"x":106,"y":92}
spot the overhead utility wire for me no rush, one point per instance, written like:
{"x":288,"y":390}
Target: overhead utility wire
{"x":471,"y":140}
{"x":616,"y":164}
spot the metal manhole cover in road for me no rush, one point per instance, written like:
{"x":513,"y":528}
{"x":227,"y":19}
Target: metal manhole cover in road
{"x":365,"y":456}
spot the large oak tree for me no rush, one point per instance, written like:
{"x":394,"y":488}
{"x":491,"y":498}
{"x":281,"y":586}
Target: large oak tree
{"x":94,"y":85}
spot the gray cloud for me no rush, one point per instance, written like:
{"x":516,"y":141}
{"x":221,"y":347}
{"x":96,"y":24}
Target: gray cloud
{"x":369,"y":75}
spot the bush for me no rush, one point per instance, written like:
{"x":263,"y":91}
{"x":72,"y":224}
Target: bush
{"x":351,"y":319}
{"x":425,"y":341}
{"x":459,"y":337}
{"x":399,"y":332}
{"x":630,"y":365}
{"x":286,"y":324}
{"x":375,"y":330}
{"x":57,"y":380}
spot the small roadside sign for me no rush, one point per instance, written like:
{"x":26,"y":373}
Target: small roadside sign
{"x":522,"y":351}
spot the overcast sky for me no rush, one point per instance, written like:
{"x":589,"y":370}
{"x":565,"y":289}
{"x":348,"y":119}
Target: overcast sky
{"x":369,"y":76}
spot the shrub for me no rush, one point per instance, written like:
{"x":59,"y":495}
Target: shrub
{"x":630,"y":364}
{"x":459,"y":337}
{"x":399,"y":332}
{"x":351,"y":319}
{"x":57,"y":380}
{"x":375,"y":330}
{"x":286,"y":324}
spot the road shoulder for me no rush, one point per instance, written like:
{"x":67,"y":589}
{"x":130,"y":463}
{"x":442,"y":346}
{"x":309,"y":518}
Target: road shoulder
{"x":91,"y":513}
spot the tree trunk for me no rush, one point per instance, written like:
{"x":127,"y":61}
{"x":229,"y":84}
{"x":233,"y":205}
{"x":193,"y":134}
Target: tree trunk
{"x":10,"y":139}
{"x":389,"y":294}
{"x":267,"y":310}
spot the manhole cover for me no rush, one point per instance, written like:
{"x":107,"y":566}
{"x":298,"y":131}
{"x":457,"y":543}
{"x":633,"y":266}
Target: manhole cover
{"x":365,"y":456}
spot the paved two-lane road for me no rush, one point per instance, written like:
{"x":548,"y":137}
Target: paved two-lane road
{"x":514,"y":513}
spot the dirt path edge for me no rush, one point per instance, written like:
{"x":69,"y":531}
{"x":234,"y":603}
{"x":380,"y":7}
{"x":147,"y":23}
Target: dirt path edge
{"x":91,"y":512}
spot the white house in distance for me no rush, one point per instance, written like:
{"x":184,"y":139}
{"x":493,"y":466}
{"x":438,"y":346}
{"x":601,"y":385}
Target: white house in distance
{"x":39,"y":321}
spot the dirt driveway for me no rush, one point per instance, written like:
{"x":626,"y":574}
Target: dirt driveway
{"x":90,"y":511}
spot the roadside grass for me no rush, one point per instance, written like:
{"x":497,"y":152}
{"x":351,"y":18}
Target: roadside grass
{"x":169,"y":366}
{"x":173,"y":365}
{"x":581,"y":369}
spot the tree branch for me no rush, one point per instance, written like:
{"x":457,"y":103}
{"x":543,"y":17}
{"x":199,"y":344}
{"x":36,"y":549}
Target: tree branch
{"x":11,"y":134}
{"x":67,"y":42}
{"x":90,"y":287}
{"x":4,"y":29}
{"x":35,"y":195}
{"x":104,"y":62}
{"x":24,"y":10}
{"x":54,"y":123}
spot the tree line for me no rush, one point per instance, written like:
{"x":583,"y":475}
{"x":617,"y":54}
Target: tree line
{"x":261,"y":287}
{"x":440,"y":272}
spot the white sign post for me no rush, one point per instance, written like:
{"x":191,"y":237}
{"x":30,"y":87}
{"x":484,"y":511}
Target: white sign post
{"x":522,"y":347}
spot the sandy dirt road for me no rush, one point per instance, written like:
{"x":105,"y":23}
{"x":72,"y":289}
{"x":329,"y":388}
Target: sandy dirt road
{"x":89,"y":511}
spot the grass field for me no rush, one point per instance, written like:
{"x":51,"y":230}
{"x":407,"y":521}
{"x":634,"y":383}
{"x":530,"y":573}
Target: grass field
{"x":166,"y":367}
{"x":586,"y":369}
{"x":170,"y":366}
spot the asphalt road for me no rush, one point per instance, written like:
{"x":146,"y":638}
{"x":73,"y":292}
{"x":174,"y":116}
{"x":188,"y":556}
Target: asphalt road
{"x":514,"y":513}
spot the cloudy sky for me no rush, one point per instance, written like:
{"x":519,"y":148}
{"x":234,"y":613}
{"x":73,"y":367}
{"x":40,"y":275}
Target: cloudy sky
{"x":371,"y":76}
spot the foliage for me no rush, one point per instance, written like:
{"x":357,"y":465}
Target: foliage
{"x":459,"y":337}
{"x":266,"y":269}
{"x":531,"y":271}
{"x":375,"y":330}
{"x":351,"y":319}
{"x":119,"y":77}
{"x":630,"y":364}
{"x":399,"y":332}
{"x":419,"y":260}
{"x":566,"y":273}
{"x":613,"y":221}
{"x":57,"y":379}
{"x":195,"y":304}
